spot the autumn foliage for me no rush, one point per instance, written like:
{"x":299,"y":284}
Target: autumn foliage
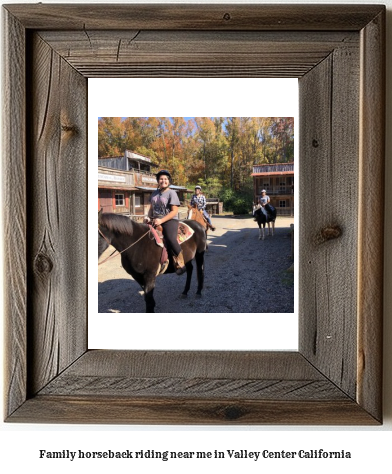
{"x":216,"y":151}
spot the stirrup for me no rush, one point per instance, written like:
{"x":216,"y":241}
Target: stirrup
{"x":179,"y":263}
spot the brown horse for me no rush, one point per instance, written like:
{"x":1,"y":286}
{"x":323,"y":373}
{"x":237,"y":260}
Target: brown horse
{"x":140,"y":255}
{"x":198,"y":216}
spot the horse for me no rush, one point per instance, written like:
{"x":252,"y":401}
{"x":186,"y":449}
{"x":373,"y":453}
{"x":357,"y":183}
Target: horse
{"x":195,"y":214}
{"x":263,"y":219}
{"x":140,"y":254}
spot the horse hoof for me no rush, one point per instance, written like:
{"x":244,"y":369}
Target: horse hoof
{"x":198,"y":294}
{"x":184,"y":296}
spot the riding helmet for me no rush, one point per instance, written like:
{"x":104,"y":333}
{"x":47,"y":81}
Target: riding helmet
{"x":163,"y":172}
{"x":198,"y":187}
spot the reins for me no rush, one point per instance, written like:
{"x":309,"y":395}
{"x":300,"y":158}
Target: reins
{"x":113,"y":254}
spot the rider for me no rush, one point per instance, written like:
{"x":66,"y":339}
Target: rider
{"x":164,"y":211}
{"x":199,"y":199}
{"x":264,"y":202}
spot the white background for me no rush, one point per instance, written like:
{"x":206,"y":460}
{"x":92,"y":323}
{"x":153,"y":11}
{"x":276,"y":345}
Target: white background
{"x":370,"y":446}
{"x":184,"y":98}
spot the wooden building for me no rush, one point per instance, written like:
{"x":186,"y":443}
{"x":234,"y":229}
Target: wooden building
{"x":278,"y":180}
{"x":125,"y":185}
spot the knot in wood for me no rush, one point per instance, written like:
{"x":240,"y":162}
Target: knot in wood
{"x":328,"y":233}
{"x":69,"y":128}
{"x":315,"y":143}
{"x":232,"y":413}
{"x":227,"y":16}
{"x":43,"y":264}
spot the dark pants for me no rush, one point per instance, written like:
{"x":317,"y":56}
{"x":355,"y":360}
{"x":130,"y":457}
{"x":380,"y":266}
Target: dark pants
{"x":170,"y":230}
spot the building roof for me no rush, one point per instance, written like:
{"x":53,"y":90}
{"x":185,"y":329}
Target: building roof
{"x":146,"y":188}
{"x":138,"y":157}
{"x":274,"y":173}
{"x":277,"y":169}
{"x":178,"y":188}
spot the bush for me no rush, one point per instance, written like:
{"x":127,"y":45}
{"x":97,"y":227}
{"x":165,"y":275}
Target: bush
{"x":238,"y":202}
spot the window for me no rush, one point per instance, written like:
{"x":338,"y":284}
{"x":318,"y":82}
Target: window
{"x":282,"y":203}
{"x":119,"y":199}
{"x":138,"y":200}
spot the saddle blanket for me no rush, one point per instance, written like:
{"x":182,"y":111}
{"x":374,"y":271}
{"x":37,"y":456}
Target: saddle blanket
{"x":184,"y":233}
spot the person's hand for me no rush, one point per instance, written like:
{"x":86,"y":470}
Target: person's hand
{"x":157,"y":222}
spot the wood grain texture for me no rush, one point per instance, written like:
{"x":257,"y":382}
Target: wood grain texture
{"x":335,"y":378}
{"x":193,"y":53}
{"x":155,"y":411}
{"x":192,"y":387}
{"x":57,"y":169}
{"x":13,"y":202}
{"x":194,"y":17}
{"x":208,"y":375}
{"x":329,"y":170}
{"x":208,"y":364}
{"x":371,"y":237}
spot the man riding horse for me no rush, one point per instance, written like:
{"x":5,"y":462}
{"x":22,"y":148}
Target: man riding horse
{"x":199,"y":200}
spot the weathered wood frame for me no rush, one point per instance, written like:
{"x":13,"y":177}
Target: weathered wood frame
{"x":337,"y":52}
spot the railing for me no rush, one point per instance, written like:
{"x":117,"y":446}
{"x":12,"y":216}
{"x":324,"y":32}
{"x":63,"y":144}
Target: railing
{"x":277,"y":168}
{"x":276,"y":190}
{"x":285,"y":211}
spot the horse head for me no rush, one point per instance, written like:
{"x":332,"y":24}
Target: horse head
{"x":192,"y":212}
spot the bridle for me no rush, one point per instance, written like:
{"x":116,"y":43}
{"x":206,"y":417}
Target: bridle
{"x":114,"y":254}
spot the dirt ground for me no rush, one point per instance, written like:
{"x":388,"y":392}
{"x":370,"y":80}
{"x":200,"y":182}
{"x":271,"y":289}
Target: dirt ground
{"x":242,"y":275}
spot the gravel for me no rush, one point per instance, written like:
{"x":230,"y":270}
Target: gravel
{"x":242,"y":275}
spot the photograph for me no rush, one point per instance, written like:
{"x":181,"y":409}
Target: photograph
{"x":210,"y":198}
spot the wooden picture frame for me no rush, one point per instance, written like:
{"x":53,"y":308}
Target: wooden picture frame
{"x":338,"y":54}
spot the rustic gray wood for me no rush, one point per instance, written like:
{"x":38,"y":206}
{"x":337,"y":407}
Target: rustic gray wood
{"x":14,"y":198}
{"x":372,"y":149}
{"x":57,"y":169}
{"x":130,"y":53}
{"x":338,"y":54}
{"x":193,"y":17}
{"x":329,"y":173}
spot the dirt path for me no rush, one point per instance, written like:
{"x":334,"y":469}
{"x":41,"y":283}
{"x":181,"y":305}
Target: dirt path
{"x":242,"y":275}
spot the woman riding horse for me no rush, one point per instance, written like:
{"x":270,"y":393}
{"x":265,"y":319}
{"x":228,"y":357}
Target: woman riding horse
{"x":199,"y":200}
{"x":164,"y":212}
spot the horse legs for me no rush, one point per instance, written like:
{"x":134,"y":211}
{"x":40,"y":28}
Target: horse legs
{"x":200,"y":272}
{"x":189,"y":270}
{"x":149,"y":294}
{"x":261,"y":232}
{"x":273,"y":228}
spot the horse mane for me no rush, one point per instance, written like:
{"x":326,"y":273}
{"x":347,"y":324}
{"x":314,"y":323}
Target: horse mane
{"x":197,"y":215}
{"x":116,"y":223}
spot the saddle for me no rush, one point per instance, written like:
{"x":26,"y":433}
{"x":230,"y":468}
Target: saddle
{"x":184,"y":233}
